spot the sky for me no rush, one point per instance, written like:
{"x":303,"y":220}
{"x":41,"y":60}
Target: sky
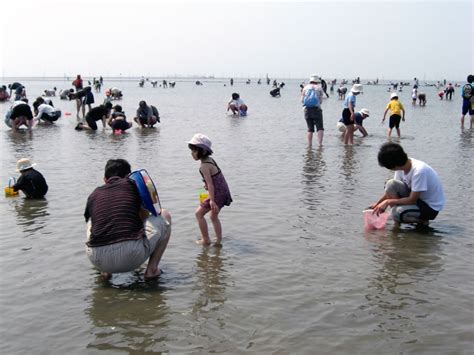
{"x":431,"y":40}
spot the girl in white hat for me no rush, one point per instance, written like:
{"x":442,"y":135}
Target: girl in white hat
{"x":214,"y":183}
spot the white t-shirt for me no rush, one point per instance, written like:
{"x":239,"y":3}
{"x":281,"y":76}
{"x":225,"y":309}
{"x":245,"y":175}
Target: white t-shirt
{"x":424,"y":179}
{"x":47,"y":109}
{"x":239,"y":102}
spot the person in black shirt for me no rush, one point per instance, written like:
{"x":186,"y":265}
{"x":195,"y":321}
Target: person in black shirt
{"x":31,"y":181}
{"x":98,"y":113}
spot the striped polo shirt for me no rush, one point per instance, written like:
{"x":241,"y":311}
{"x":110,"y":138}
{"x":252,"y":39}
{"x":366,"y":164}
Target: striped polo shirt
{"x":114,"y":212}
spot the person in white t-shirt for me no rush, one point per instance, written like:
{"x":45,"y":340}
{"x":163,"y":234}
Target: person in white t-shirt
{"x":415,"y":193}
{"x":237,"y":105}
{"x":45,"y":112}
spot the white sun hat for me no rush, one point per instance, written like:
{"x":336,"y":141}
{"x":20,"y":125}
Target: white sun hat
{"x":356,"y":88}
{"x":202,"y":141}
{"x":24,"y":164}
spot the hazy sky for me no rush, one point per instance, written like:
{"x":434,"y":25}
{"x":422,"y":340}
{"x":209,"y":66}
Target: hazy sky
{"x":385,"y":39}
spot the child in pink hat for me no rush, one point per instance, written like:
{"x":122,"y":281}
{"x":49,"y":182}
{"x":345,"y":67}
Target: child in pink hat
{"x":214,"y":183}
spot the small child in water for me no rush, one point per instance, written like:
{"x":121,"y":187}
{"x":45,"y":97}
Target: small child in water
{"x":214,"y":183}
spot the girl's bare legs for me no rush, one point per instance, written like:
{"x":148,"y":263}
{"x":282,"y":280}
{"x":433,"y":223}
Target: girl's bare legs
{"x":200,"y":213}
{"x":389,"y":133}
{"x":398,"y":132}
{"x":217,"y":227}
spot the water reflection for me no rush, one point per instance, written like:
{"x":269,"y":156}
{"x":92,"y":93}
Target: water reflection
{"x":211,"y":281}
{"x":349,"y":166}
{"x":314,"y":167}
{"x":131,"y":320}
{"x":407,"y":261}
{"x":32,"y":214}
{"x":21,"y":142}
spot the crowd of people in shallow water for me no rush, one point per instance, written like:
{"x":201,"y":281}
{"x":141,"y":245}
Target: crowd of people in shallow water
{"x":122,"y":234}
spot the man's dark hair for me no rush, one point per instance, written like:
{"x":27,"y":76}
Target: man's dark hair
{"x":470,"y":78}
{"x":235,"y":96}
{"x":391,"y":155}
{"x":201,"y":152}
{"x":117,"y":167}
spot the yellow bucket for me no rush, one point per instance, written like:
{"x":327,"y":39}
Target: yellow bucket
{"x":9,"y":191}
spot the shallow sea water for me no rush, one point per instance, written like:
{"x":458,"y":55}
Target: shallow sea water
{"x":297,"y":272}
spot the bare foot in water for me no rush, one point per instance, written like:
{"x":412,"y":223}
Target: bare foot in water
{"x":203,"y":242}
{"x":218,"y":243}
{"x":106,"y":275}
{"x":152,"y":274}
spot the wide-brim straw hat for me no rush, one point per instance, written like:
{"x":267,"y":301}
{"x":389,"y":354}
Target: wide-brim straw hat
{"x":202,"y":141}
{"x":24,"y":164}
{"x":365,"y":111}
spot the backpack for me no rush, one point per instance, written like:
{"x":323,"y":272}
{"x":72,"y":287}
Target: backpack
{"x":467,"y":91}
{"x":311,"y":98}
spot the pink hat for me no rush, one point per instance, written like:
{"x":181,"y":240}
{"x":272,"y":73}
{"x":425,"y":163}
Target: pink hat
{"x":201,"y":141}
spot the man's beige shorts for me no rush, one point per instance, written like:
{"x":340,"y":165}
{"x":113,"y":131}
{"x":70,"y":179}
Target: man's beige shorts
{"x":130,"y":254}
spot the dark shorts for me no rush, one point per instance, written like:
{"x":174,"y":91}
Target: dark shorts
{"x":346,"y":117}
{"x":394,"y":121}
{"x":426,"y":212}
{"x":120,"y":124}
{"x":21,"y":110}
{"x":91,"y":122}
{"x":51,"y":118}
{"x":467,"y":107}
{"x":314,"y":117}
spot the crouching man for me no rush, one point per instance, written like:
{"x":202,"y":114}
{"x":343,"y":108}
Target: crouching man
{"x":121,"y":235}
{"x":415,"y":192}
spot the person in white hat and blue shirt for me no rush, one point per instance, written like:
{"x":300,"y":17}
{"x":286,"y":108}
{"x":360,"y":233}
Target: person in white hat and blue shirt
{"x":311,"y":98}
{"x":348,"y":113}
{"x":31,"y":182}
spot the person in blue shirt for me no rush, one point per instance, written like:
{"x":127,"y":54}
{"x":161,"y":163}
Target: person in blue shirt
{"x":348,"y":113}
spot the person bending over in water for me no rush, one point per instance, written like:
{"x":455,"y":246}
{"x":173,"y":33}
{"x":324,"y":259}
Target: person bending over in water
{"x":214,"y":183}
{"x":415,"y":192}
{"x":147,"y":116}
{"x":31,"y":182}
{"x":121,"y":235}
{"x":237,"y":105}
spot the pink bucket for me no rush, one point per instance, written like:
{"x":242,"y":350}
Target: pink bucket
{"x":372,"y":221}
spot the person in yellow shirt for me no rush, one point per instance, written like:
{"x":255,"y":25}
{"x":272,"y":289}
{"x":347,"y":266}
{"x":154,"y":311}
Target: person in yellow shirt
{"x":396,"y":109}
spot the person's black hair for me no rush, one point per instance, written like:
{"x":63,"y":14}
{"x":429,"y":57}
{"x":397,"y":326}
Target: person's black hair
{"x":118,"y":108}
{"x":392,"y":155}
{"x":142,"y":103}
{"x":235,"y":96}
{"x":40,"y":100}
{"x":87,"y":89}
{"x":36,"y":104}
{"x":117,"y":167}
{"x":201,"y":152}
{"x":108,"y":105}
{"x":24,"y":99}
{"x":470,"y":78}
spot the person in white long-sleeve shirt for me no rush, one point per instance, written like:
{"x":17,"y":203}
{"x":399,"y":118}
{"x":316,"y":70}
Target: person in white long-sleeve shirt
{"x":45,"y":113}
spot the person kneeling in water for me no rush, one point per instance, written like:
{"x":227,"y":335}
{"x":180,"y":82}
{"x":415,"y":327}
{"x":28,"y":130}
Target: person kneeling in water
{"x":121,"y":235}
